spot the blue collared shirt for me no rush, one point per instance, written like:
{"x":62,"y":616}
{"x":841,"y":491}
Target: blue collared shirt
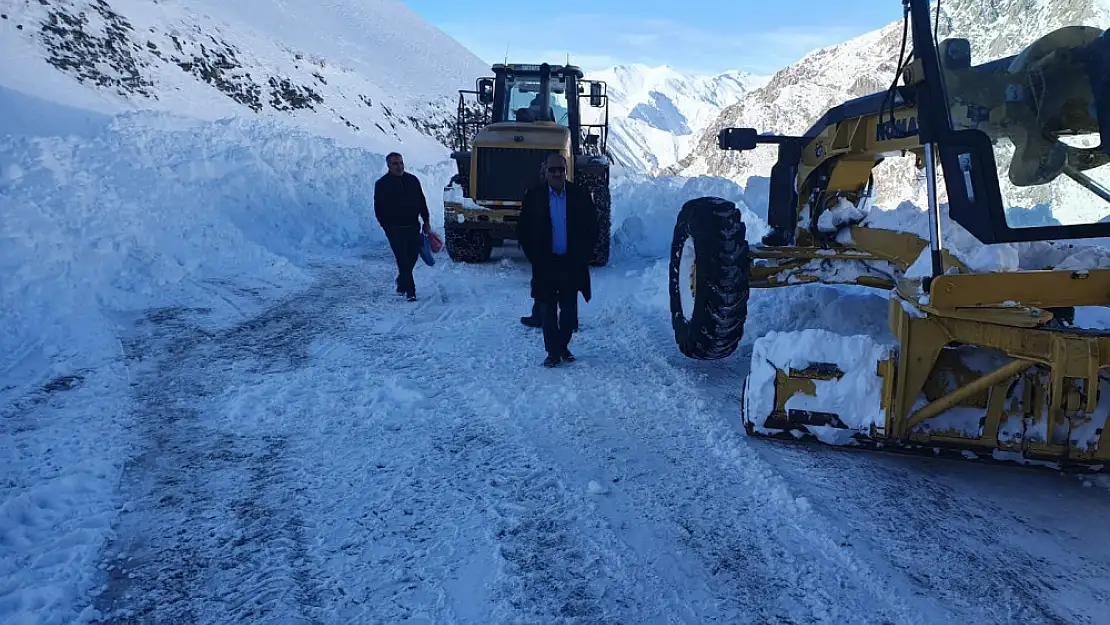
{"x":558,"y":203}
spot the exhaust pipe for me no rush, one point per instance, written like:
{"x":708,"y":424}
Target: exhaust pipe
{"x":545,"y":90}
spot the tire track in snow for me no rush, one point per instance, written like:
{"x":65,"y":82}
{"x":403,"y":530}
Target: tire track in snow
{"x":1014,"y":545}
{"x":742,"y":544}
{"x":501,"y":355}
{"x":420,"y":465}
{"x":213,"y":532}
{"x":449,"y":453}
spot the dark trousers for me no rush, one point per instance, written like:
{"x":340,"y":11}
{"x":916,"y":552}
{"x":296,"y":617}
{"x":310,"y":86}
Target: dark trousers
{"x":537,"y":312}
{"x":405,"y":242}
{"x":558,"y":304}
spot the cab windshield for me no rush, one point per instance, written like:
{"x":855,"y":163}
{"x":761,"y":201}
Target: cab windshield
{"x":524,"y":100}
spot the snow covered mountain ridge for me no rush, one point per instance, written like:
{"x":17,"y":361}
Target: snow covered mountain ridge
{"x":657,"y":112}
{"x":380,"y":78}
{"x":796,"y":96}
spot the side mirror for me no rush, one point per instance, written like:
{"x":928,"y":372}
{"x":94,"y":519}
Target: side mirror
{"x":595,"y":94}
{"x":737,"y":139}
{"x":485,"y":90}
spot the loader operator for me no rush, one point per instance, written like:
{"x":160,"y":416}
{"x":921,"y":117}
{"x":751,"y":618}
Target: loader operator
{"x":399,"y":203}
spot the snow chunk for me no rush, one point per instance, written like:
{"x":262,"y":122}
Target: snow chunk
{"x":993,"y":258}
{"x":454,"y":193}
{"x":843,"y":214}
{"x":1102,"y":481}
{"x":855,"y":397}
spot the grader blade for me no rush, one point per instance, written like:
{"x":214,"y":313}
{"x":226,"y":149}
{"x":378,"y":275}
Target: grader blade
{"x":939,"y":385}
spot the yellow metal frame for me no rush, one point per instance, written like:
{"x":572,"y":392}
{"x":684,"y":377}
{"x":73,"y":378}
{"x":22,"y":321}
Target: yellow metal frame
{"x":1042,"y":384}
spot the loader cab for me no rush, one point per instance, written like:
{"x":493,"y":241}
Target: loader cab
{"x":548,"y":95}
{"x":524,"y":100}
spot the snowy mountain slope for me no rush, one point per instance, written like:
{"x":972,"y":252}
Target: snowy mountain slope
{"x":656,"y":112}
{"x":371,"y":73}
{"x":797,"y":95}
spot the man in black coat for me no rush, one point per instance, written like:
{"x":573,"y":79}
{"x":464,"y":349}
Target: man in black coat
{"x":557,"y":231}
{"x":399,"y":203}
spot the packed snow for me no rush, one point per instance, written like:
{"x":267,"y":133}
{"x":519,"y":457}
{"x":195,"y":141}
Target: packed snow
{"x":856,"y":393}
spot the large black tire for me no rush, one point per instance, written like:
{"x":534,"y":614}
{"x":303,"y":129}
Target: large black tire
{"x":597,"y":184}
{"x":466,"y":245}
{"x":713,"y":329}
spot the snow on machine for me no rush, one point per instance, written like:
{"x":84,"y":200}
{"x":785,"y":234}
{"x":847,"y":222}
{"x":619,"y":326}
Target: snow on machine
{"x":526,"y":113}
{"x":980,"y":359}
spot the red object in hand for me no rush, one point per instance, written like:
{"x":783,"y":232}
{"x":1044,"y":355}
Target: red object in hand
{"x":435,"y":242}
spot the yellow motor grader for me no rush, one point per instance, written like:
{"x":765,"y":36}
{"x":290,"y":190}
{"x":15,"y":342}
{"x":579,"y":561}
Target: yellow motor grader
{"x":977,"y":363}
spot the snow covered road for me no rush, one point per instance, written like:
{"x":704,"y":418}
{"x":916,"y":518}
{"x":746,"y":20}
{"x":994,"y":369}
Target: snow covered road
{"x":346,"y":456}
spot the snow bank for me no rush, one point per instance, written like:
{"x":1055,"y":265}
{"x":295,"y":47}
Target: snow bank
{"x":855,"y":397}
{"x":150,"y":209}
{"x":28,"y":116}
{"x":645,"y":209}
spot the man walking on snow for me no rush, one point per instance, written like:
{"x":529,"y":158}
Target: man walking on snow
{"x":399,"y":203}
{"x":557,"y":231}
{"x":535,"y":320}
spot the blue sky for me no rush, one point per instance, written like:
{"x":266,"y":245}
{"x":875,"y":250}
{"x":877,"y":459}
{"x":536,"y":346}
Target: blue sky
{"x":760,"y":36}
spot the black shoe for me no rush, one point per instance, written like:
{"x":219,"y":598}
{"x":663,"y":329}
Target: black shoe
{"x":531,"y":322}
{"x":567,"y":356}
{"x":411,"y":297}
{"x":551,"y":361}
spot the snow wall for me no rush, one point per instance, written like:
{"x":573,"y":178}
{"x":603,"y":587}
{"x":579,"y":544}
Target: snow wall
{"x":147,"y":209}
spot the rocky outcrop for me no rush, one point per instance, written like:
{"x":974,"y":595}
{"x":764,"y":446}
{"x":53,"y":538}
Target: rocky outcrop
{"x":155,"y":63}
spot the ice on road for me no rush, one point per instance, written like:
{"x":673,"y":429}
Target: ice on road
{"x":349,"y":457}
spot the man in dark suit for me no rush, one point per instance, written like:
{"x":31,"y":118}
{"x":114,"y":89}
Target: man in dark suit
{"x":399,"y":205}
{"x":557,"y":231}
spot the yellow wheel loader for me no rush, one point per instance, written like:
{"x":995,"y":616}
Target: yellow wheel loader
{"x":526,"y":113}
{"x":987,"y":364}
